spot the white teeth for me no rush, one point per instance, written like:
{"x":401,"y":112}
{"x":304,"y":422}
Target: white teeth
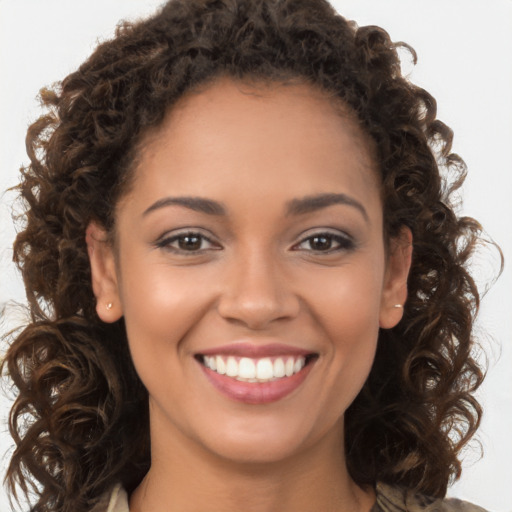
{"x":246,"y":368}
{"x":264,"y":369}
{"x":210,"y":362}
{"x":289,"y":366}
{"x":299,"y":364}
{"x":279,"y":370}
{"x":232,"y":367}
{"x":255,"y":370}
{"x":221,"y":365}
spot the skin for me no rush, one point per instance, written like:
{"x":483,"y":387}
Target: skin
{"x":259,"y":279}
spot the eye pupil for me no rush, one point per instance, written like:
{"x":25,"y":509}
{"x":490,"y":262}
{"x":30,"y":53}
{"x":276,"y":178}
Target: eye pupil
{"x":321,"y":243}
{"x":189,"y":242}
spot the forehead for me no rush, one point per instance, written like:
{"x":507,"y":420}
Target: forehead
{"x":231,"y":135}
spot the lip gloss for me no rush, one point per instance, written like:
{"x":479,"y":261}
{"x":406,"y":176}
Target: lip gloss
{"x":256,"y":392}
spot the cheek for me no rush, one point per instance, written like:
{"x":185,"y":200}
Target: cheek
{"x":161,"y":303}
{"x":352,"y":324}
{"x":347,"y":299}
{"x":162,"y":306}
{"x":346,"y":306}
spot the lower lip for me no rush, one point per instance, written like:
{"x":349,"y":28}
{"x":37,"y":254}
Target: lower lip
{"x":256,"y":392}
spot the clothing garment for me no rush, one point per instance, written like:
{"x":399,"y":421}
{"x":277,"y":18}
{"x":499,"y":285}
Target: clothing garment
{"x":396,"y":499}
{"x":389,"y":499}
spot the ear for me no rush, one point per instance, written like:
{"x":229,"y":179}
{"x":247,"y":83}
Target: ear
{"x":394,"y":293}
{"x":103,"y":273}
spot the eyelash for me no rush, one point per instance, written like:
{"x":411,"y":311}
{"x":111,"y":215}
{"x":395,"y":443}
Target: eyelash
{"x":166,"y":243}
{"x":345,"y":243}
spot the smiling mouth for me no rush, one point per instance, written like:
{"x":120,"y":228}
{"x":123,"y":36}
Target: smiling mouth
{"x":256,"y":370}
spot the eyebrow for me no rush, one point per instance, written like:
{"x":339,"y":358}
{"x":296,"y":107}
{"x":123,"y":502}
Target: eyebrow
{"x":300,"y":206}
{"x":197,"y":204}
{"x":310,"y":204}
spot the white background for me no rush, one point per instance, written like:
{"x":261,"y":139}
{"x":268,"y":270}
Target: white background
{"x":465,"y":61}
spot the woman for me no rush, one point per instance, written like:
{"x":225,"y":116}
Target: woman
{"x":247,"y":283}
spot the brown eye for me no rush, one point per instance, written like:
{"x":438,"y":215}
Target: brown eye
{"x":321,"y":243}
{"x":326,"y":243}
{"x":190,"y":242}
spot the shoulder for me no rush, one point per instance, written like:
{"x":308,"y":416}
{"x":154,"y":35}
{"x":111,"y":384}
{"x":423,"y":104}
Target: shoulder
{"x":116,"y":500}
{"x":397,"y":499}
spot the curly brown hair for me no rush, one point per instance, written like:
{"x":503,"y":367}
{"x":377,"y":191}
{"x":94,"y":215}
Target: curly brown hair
{"x":80,"y":420}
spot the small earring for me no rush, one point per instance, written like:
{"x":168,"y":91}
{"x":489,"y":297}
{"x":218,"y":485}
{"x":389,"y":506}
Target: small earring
{"x":398,"y":306}
{"x":109,"y":306}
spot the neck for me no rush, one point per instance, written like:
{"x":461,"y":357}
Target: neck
{"x":190,"y":479}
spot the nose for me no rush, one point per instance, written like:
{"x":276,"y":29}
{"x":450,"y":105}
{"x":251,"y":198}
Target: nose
{"x":257,"y":293}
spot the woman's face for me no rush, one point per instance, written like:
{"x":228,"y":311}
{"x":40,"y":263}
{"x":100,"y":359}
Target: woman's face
{"x":250,"y":269}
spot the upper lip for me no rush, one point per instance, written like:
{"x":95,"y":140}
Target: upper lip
{"x":254,"y":351}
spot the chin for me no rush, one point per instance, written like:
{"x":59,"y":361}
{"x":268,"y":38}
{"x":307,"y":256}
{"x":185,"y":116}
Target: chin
{"x":266,"y":442}
{"x":269,"y":451}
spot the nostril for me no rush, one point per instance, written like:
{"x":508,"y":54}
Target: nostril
{"x":258,"y":313}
